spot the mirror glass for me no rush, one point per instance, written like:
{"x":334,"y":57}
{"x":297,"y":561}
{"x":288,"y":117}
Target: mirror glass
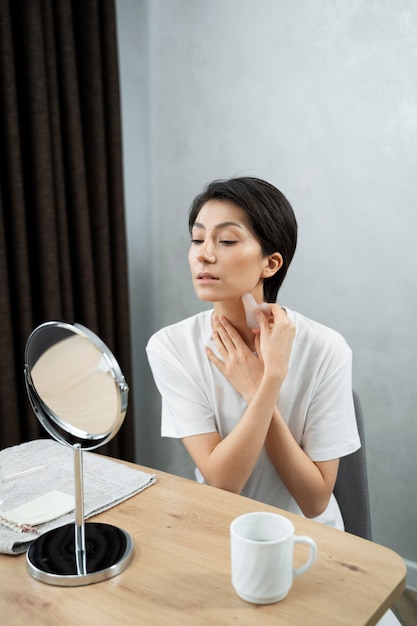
{"x":75,"y":384}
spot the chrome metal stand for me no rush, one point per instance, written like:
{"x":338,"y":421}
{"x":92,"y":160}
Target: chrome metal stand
{"x":79,"y":554}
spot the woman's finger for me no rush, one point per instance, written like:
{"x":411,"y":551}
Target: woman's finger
{"x":263,"y":322}
{"x":215,"y":359}
{"x":228,"y":333}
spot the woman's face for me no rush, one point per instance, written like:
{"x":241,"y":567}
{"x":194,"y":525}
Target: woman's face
{"x":225,"y":257}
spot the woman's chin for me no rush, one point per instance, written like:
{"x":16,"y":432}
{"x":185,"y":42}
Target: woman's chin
{"x":205,"y":295}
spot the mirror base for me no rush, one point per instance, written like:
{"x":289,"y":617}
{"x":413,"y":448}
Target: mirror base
{"x":51,"y":557}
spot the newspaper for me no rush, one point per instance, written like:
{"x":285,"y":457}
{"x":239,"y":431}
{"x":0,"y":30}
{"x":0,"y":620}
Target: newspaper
{"x":106,"y":483}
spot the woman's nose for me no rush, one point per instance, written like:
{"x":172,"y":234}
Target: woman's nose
{"x":205,"y":254}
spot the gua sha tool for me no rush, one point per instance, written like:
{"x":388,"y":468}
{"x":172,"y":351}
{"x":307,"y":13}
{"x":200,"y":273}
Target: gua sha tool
{"x":251,"y":306}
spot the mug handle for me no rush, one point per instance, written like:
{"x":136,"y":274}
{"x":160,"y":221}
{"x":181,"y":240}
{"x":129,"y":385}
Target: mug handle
{"x":311,"y":557}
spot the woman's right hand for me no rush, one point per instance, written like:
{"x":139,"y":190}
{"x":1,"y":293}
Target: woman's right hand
{"x":237,"y":363}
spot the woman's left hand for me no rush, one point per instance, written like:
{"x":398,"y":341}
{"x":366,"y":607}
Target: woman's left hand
{"x":275,"y":341}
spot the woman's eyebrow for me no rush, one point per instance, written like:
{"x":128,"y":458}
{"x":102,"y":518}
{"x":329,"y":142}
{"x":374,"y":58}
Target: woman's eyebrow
{"x":218,"y":226}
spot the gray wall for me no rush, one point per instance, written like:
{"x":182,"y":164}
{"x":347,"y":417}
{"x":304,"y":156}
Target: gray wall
{"x":320,"y":98}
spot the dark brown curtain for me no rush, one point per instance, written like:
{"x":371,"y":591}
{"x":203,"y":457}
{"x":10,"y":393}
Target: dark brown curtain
{"x":62,"y":228}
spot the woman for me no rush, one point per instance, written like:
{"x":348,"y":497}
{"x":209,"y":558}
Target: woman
{"x":266,"y":412}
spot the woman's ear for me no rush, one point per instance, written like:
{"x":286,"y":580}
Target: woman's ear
{"x":273,"y":263}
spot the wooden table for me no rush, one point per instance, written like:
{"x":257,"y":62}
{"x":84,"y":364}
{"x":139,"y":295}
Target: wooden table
{"x":180,"y":573}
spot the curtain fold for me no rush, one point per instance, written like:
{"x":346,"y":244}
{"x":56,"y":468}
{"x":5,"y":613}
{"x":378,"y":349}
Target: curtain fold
{"x":62,"y":225}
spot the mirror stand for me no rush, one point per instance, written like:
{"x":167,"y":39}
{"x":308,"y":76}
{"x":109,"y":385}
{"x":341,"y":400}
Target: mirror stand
{"x":80,"y":553}
{"x":79,"y":395}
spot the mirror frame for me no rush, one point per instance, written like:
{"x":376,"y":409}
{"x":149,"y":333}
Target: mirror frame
{"x":61,"y":430}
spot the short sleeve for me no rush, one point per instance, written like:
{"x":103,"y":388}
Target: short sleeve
{"x":185,"y":408}
{"x":331,"y":429}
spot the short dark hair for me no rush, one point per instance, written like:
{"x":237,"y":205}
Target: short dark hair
{"x":270,"y":217}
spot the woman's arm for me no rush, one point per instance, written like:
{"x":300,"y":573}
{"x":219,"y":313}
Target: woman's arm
{"x":228,"y":463}
{"x":310,"y":483}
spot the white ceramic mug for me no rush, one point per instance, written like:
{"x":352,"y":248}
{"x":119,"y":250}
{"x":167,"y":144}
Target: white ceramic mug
{"x":262,"y":547}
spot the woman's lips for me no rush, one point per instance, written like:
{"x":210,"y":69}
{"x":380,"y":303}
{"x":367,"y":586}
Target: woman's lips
{"x":205,"y":277}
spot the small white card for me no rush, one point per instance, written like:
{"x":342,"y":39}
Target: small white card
{"x":43,"y":509}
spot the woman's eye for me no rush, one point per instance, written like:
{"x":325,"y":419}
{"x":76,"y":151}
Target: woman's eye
{"x":228,"y":242}
{"x":196,"y":241}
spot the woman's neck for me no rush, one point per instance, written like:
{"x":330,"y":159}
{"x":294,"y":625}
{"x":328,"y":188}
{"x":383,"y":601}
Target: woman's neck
{"x":235,"y":313}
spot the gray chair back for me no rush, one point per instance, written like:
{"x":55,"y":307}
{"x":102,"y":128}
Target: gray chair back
{"x":351,"y":488}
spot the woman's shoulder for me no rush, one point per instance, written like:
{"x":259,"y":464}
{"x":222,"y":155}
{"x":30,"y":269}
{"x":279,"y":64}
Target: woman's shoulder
{"x":181,"y":332}
{"x":316,"y":333}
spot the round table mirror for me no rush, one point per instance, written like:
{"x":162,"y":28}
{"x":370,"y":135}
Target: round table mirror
{"x":79,"y":394}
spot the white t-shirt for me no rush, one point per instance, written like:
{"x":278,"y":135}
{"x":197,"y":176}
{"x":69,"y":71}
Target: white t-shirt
{"x":315,"y":399}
